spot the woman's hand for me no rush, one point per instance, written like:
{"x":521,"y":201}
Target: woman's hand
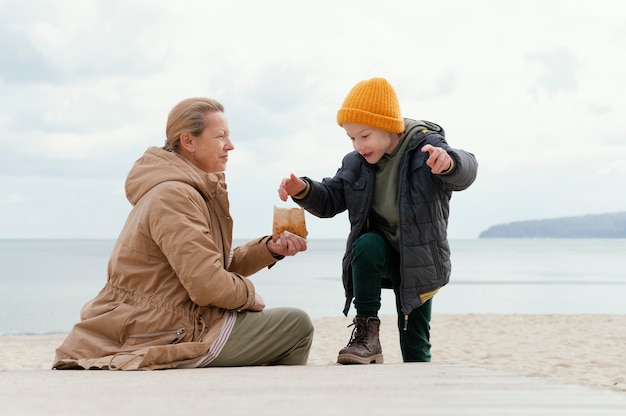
{"x":290,"y":186}
{"x":288,"y":244}
{"x":259,"y":303}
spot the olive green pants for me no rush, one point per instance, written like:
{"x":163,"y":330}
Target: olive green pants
{"x":375,"y":264}
{"x":277,"y":336}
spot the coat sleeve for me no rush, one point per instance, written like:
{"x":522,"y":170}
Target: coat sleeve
{"x":252,"y":257}
{"x":464,"y":172}
{"x":180,"y":227}
{"x":327,"y":198}
{"x":465,"y":165}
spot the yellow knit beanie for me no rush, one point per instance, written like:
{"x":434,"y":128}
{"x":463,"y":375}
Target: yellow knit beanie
{"x":373,"y":103}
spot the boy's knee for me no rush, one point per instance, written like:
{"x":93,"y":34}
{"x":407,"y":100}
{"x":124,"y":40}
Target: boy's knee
{"x":369,"y":244}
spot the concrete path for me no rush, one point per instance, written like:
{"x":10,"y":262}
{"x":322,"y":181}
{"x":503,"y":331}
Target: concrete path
{"x":384,"y":390}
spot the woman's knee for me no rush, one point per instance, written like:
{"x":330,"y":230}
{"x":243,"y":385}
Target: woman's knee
{"x":303,"y":321}
{"x":297,"y":320}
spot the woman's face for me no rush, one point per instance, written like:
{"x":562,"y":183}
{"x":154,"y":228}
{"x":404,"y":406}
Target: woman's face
{"x":211,"y":147}
{"x":372,"y":143}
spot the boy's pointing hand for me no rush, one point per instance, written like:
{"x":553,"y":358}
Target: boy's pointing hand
{"x":438,"y":159}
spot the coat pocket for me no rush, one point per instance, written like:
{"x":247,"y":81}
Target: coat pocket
{"x":156,"y":338}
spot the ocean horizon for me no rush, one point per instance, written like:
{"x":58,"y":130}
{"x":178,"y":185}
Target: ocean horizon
{"x":45,"y":282}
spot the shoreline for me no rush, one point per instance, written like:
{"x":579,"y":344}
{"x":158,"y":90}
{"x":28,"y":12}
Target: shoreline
{"x":585,"y":349}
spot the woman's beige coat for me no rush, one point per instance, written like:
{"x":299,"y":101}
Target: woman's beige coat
{"x":172,"y":278}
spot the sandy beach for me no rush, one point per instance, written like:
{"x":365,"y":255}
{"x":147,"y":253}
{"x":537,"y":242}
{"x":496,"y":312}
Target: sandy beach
{"x":579,"y":349}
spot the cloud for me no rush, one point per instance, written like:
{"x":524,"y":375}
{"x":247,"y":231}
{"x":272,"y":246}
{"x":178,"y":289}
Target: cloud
{"x":11,"y":199}
{"x":558,"y":71}
{"x":598,"y":109}
{"x":86,"y":86}
{"x":20,"y":62}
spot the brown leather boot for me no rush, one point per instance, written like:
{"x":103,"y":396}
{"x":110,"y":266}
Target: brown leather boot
{"x":364,"y":345}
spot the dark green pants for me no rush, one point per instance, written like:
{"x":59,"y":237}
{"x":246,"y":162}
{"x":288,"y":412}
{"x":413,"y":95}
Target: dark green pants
{"x":375,"y":264}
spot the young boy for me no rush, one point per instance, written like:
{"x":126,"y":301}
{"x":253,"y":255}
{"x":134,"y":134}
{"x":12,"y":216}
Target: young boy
{"x":396,"y":186}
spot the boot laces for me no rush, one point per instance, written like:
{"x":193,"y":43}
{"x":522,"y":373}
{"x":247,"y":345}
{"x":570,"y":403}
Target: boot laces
{"x":358,"y":333}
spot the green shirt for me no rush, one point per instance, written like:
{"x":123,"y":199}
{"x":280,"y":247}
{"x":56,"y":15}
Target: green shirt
{"x":385,"y":208}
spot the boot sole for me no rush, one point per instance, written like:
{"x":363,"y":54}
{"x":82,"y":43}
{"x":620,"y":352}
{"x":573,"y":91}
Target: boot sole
{"x":355,"y":359}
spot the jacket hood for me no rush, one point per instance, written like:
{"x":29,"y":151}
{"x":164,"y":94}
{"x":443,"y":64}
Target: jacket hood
{"x":414,"y":125}
{"x":158,"y":165}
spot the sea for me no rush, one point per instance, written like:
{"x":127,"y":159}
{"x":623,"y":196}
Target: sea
{"x":44,"y":283}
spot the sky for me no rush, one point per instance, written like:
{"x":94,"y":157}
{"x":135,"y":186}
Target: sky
{"x":534,"y":89}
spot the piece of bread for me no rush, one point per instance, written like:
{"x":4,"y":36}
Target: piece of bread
{"x":289,"y":219}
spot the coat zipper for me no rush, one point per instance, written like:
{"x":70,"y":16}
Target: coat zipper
{"x":177,"y":332}
{"x":412,"y":131}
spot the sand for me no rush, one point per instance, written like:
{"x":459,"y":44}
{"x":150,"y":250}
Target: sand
{"x":580,"y":349}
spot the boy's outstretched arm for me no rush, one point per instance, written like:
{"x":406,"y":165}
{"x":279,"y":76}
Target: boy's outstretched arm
{"x":290,"y":186}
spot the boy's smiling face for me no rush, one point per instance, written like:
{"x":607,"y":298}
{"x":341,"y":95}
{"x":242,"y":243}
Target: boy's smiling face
{"x":371,"y":142}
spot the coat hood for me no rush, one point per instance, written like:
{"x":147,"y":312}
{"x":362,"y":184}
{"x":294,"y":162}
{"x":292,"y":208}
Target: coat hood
{"x":158,"y":165}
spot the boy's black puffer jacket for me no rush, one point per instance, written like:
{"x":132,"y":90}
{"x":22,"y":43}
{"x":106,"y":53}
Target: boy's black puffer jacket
{"x":423,"y":210}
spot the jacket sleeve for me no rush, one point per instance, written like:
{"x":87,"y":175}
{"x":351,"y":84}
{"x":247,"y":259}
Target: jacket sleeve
{"x":252,"y":257}
{"x":464,"y":172}
{"x":465,"y":165}
{"x":179,"y":226}
{"x":327,"y":198}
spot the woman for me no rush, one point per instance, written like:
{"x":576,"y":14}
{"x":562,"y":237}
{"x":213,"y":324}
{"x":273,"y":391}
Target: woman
{"x":177,"y":294}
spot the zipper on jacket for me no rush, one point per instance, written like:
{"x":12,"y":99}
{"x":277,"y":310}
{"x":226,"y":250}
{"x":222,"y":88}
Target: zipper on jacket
{"x":177,"y":332}
{"x":406,"y":322}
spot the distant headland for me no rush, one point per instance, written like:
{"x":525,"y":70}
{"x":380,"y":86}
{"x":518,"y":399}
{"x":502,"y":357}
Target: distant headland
{"x":586,"y":226}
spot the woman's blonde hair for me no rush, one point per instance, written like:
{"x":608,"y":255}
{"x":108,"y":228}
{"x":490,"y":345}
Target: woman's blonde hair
{"x":188,"y":115}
